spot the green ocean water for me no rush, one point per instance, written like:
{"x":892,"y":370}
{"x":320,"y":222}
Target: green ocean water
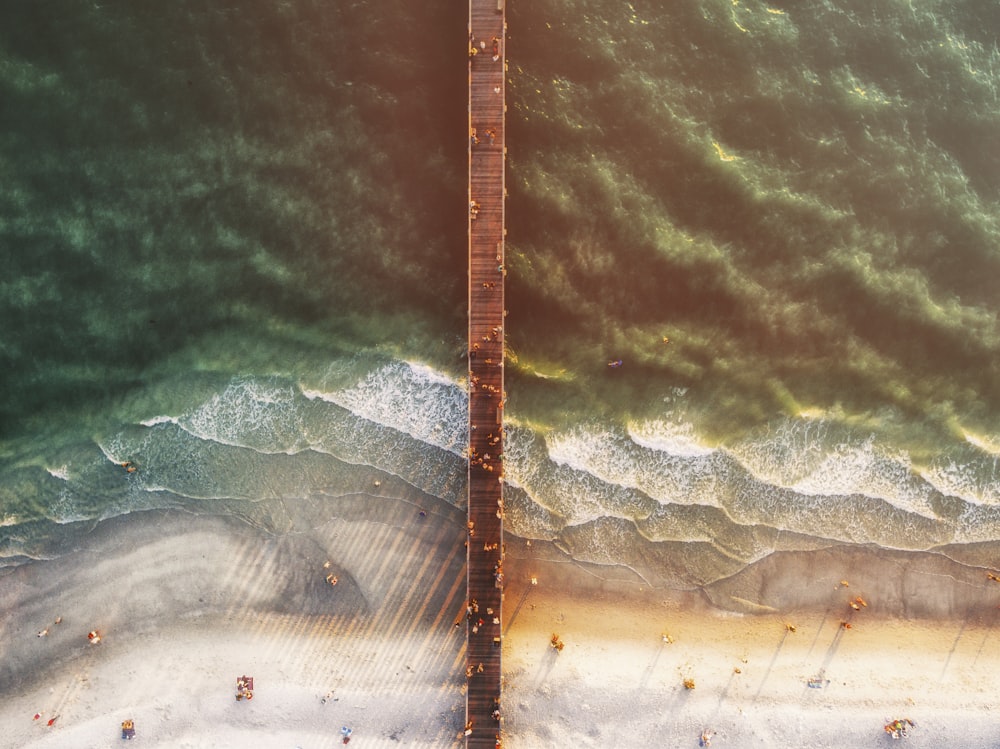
{"x":233,"y":253}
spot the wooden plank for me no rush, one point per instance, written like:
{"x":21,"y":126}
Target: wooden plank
{"x":487,"y":155}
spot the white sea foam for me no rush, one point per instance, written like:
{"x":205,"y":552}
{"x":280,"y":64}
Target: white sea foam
{"x":656,"y":479}
{"x":972,"y":475}
{"x":62,"y":472}
{"x":153,"y":421}
{"x":816,"y":458}
{"x":67,"y":506}
{"x":410,"y":398}
{"x":986,"y":444}
{"x":669,"y":437}
{"x":864,"y":470}
{"x":788,"y":452}
{"x":566,"y":496}
{"x":847,"y":488}
{"x":403,"y":419}
{"x":427,"y":374}
{"x":255,"y":413}
{"x":618,"y":460}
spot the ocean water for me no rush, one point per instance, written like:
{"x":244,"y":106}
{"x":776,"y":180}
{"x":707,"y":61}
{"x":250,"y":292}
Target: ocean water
{"x":233,"y":253}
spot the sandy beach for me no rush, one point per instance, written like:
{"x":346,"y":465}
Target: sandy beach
{"x":796,"y":677}
{"x":185,"y":604}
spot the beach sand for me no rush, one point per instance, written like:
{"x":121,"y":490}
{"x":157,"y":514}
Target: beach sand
{"x":187,"y":603}
{"x":618,"y":682}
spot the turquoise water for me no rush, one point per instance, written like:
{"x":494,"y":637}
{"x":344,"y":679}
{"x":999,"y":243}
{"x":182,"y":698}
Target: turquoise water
{"x":233,"y":242}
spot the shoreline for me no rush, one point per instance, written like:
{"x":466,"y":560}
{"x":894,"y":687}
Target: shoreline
{"x":187,"y":603}
{"x":919,"y":586}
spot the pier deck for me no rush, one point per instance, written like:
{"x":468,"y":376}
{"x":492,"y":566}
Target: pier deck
{"x":487,"y":155}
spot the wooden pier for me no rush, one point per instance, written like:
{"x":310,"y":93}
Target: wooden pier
{"x":487,"y":155}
